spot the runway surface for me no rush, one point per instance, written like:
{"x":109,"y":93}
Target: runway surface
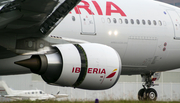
{"x":94,"y":101}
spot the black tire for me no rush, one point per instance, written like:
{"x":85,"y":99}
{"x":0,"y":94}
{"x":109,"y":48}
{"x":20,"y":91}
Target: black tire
{"x":140,"y":94}
{"x":151,"y":94}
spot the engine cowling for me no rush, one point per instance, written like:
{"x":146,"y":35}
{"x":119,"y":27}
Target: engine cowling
{"x":87,"y":66}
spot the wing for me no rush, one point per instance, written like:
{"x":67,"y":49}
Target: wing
{"x":6,"y":53}
{"x":61,"y":95}
{"x":32,"y":17}
{"x":14,"y":97}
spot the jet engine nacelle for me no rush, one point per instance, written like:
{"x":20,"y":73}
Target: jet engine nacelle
{"x":87,"y":66}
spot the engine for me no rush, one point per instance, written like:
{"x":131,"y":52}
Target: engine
{"x":87,"y":66}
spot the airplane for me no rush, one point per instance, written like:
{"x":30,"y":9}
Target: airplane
{"x":28,"y":94}
{"x":88,"y":44}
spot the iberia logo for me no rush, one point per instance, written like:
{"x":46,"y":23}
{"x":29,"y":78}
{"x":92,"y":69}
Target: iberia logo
{"x":112,"y":74}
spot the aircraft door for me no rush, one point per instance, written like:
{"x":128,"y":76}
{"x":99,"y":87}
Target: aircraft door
{"x":87,"y":18}
{"x":176,"y":23}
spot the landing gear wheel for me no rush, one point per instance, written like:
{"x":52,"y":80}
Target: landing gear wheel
{"x":151,"y":94}
{"x":141,"y":94}
{"x":148,"y":93}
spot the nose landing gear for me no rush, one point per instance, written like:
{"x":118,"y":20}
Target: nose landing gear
{"x":147,"y":93}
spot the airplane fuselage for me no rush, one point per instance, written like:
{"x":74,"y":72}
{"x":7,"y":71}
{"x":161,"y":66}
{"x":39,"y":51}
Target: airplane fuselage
{"x":29,"y":95}
{"x":92,"y":45}
{"x":145,"y":35}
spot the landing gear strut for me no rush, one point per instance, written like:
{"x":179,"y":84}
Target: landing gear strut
{"x":147,"y":93}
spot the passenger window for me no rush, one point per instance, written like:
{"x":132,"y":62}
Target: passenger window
{"x":73,"y":18}
{"x":120,"y":21}
{"x":137,"y":21}
{"x":126,"y":21}
{"x":160,"y":23}
{"x":149,"y":22}
{"x":108,"y":20}
{"x":102,"y":19}
{"x":154,"y":22}
{"x":132,"y":21}
{"x":114,"y":20}
{"x":144,"y":22}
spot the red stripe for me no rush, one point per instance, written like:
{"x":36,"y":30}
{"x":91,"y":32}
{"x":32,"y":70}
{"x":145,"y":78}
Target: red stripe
{"x":97,"y":7}
{"x":111,"y":75}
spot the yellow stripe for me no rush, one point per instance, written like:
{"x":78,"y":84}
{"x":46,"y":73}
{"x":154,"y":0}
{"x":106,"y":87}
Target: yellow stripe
{"x":114,"y":70}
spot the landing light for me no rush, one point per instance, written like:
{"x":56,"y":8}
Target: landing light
{"x":110,"y":32}
{"x":115,"y":33}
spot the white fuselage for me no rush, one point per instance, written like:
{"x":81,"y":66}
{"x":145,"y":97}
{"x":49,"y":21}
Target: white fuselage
{"x":29,"y":95}
{"x":143,"y":48}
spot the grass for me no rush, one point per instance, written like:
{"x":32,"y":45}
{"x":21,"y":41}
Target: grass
{"x":121,"y":101}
